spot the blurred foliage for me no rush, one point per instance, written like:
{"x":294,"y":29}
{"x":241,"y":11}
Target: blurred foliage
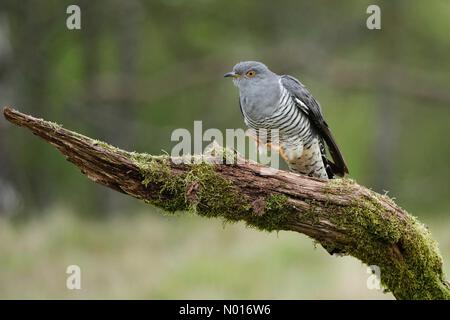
{"x":138,"y":69}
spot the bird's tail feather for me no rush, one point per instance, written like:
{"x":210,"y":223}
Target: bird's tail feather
{"x":338,"y":165}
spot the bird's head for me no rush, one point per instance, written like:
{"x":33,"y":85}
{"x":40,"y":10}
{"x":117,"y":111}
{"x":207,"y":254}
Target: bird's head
{"x":250,"y":74}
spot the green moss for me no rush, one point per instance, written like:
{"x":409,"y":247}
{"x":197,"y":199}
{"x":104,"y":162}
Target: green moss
{"x":170,"y":188}
{"x":340,"y":186}
{"x":424,"y":275}
{"x":276,"y":212}
{"x":214,"y":196}
{"x":410,"y":264}
{"x":312,"y":215}
{"x":228,"y":156}
{"x":104,"y":145}
{"x":204,"y":192}
{"x":364,"y":216}
{"x":55,"y":126}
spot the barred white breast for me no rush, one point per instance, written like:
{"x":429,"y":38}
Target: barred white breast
{"x":299,"y":145}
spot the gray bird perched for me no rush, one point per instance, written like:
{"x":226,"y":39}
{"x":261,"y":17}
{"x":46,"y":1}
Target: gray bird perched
{"x":270,"y":101}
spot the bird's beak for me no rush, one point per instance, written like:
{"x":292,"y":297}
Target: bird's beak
{"x":231,"y":74}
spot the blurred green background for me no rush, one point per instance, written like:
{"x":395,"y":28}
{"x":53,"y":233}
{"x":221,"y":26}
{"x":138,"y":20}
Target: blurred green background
{"x":137,"y":70}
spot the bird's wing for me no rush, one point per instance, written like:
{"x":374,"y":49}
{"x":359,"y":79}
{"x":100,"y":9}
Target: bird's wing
{"x":306,"y":102}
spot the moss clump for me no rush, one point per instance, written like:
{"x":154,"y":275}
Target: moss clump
{"x":217,"y":197}
{"x":105,"y":145}
{"x":424,"y":277}
{"x":276,"y":213}
{"x":371,"y":219}
{"x":143,"y":160}
{"x":339,"y":185}
{"x":156,"y":171}
{"x":55,"y":126}
{"x":228,"y":156}
{"x":364,"y":216}
{"x":410,"y":264}
{"x":414,"y":270}
{"x":204,"y":192}
{"x":214,"y":196}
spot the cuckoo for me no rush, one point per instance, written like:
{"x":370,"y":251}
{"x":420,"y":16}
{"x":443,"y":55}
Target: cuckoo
{"x":281,"y":103}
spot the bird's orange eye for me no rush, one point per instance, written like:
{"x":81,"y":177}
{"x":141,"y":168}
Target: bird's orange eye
{"x":250,"y":74}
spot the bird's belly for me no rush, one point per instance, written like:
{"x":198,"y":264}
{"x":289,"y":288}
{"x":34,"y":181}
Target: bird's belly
{"x":310,"y":161}
{"x":290,"y":127}
{"x":295,"y":140}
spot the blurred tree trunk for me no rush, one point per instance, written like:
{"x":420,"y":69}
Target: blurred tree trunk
{"x":129,"y":15}
{"x":116,"y":111}
{"x":31,"y":29}
{"x":92,"y":23}
{"x":387,"y":127}
{"x":8,"y":193}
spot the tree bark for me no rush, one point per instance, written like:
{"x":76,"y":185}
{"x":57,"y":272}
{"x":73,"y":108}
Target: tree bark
{"x":342,"y":216}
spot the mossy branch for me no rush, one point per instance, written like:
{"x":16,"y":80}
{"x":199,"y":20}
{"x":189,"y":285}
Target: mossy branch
{"x":341,"y":215}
